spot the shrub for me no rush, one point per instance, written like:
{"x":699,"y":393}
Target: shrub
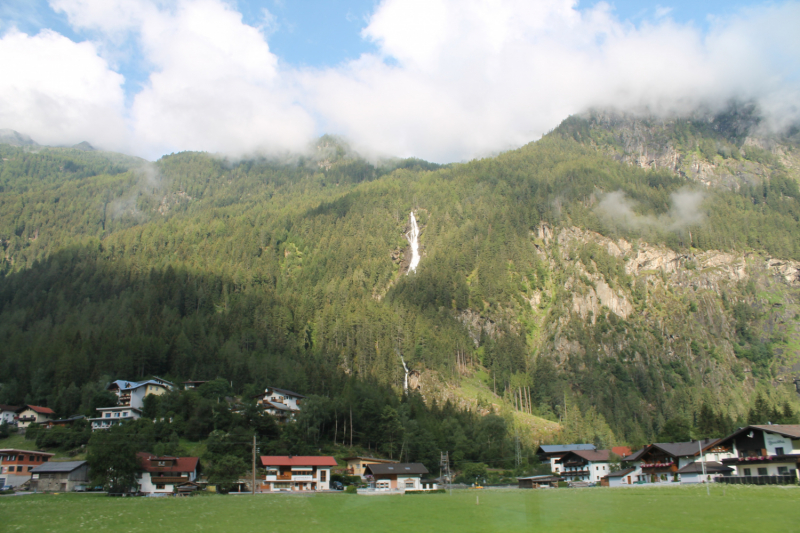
{"x":351,"y":489}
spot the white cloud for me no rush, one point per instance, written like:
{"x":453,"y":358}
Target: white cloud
{"x":452,"y":79}
{"x":59,"y":92}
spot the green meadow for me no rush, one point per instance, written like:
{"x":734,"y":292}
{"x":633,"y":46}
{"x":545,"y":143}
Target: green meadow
{"x":637,"y":510}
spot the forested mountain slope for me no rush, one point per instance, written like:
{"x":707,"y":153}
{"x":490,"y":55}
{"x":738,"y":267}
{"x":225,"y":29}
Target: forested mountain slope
{"x":561,"y":279}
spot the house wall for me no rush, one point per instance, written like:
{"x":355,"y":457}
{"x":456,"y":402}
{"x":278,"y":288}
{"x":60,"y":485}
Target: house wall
{"x":30,"y":412}
{"x":298,"y":482}
{"x":772,"y":469}
{"x":7,"y":417}
{"x":697,"y":478}
{"x":597,"y":471}
{"x":17,"y":471}
{"x":61,"y":481}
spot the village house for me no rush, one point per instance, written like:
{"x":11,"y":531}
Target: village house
{"x":60,"y":476}
{"x":8,"y":414}
{"x":621,"y":478}
{"x":759,"y":453}
{"x":16,"y":465}
{"x":538,"y":482}
{"x":63,"y":422}
{"x":584,"y":465}
{"x":356,"y":466}
{"x":281,"y":403}
{"x":132,"y":393}
{"x":166,"y":475}
{"x":551,"y":453}
{"x":660,"y":462}
{"x":297,"y":472}
{"x":30,"y":414}
{"x":110,"y":416}
{"x":397,"y":476}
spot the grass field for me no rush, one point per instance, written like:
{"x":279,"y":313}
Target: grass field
{"x":741,"y":508}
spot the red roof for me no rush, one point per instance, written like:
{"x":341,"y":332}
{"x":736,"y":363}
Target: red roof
{"x":180,"y":464}
{"x":37,"y":409}
{"x":622,"y":451}
{"x":298,"y":460}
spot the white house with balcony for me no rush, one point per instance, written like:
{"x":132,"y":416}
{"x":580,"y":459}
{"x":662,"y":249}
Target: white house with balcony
{"x":281,"y":403}
{"x":165,"y":475}
{"x":132,"y":393}
{"x":761,"y":454}
{"x":33,"y":414}
{"x":110,"y":416}
{"x":296,"y":473}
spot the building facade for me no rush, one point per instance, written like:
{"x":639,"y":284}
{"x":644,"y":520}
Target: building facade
{"x":165,"y":475}
{"x":281,"y":403}
{"x":33,"y":414}
{"x":398,"y":476}
{"x":132,"y":393}
{"x":16,"y":465}
{"x":110,"y":416}
{"x":356,"y":466}
{"x":296,"y":473}
{"x":584,"y":465}
{"x":763,"y":451}
{"x":551,"y":453}
{"x":8,"y":414}
{"x":60,"y":476}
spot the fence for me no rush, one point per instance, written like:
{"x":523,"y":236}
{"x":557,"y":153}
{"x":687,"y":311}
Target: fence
{"x":757,"y":480}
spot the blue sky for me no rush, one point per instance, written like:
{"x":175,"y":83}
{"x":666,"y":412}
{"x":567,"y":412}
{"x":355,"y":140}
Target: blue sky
{"x":147,"y":76}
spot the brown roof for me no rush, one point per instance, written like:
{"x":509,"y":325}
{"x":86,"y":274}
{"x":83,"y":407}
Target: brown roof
{"x":37,"y":409}
{"x":298,"y":460}
{"x":180,"y":464}
{"x":589,"y":455}
{"x":4,"y":407}
{"x":675,"y":449}
{"x":375,"y":459}
{"x":397,"y":468}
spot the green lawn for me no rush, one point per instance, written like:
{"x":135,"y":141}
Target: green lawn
{"x":569,"y":510}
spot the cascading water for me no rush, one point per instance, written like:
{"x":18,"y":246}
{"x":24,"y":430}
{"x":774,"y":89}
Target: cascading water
{"x":413,"y":240}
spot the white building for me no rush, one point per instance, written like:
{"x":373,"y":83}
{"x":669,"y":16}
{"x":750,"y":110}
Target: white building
{"x":8,"y":414}
{"x":281,"y":403}
{"x":132,"y":393}
{"x":399,"y":476}
{"x":758,"y":451}
{"x":584,"y":465}
{"x":551,"y":453}
{"x":662,"y":462}
{"x":622,"y":478}
{"x":30,"y":414}
{"x":110,"y":416}
{"x":164,"y":475}
{"x":297,"y":473}
{"x":703,"y":471}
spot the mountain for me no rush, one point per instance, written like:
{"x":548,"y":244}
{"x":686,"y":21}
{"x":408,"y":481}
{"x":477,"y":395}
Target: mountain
{"x":623,"y":278}
{"x":15,"y":138}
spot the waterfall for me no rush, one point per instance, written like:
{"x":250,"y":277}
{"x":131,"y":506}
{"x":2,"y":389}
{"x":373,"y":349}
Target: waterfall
{"x":405,"y":367}
{"x":413,"y":240}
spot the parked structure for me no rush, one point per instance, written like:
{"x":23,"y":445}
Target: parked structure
{"x":763,"y":451}
{"x":356,"y":466}
{"x":60,"y":476}
{"x":110,"y":416}
{"x":281,"y":403}
{"x":399,"y":476}
{"x":30,"y":414}
{"x":297,"y":473}
{"x":584,"y":465}
{"x":16,"y":465}
{"x":8,"y":414}
{"x":551,"y":453}
{"x":167,"y":474}
{"x":132,"y":393}
{"x":538,"y":482}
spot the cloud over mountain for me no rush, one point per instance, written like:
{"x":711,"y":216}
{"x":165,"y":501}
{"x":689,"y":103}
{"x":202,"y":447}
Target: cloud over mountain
{"x":450,"y":79}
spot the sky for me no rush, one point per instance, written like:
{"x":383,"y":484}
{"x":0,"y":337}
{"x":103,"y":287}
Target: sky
{"x":444,"y":80}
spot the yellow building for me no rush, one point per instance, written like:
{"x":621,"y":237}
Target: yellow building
{"x":356,"y":465}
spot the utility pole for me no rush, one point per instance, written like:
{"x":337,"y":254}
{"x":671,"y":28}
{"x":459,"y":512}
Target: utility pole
{"x":254,"y":464}
{"x":703,"y":464}
{"x":444,"y":468}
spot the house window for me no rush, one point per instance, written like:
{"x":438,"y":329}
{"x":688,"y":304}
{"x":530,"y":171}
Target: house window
{"x":161,"y":463}
{"x":19,"y":469}
{"x":778,"y":451}
{"x":762,"y":471}
{"x":32,"y":458}
{"x":323,"y":475}
{"x":108,"y":415}
{"x":31,"y":468}
{"x":160,"y":486}
{"x":783,"y":470}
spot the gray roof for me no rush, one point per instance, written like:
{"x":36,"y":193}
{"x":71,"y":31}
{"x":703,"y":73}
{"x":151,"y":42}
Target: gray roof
{"x":712,"y":467}
{"x":621,"y":473}
{"x":562,"y":448}
{"x":57,"y":466}
{"x":286,"y":392}
{"x":546,"y":477}
{"x":675,"y":449}
{"x":397,"y":468}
